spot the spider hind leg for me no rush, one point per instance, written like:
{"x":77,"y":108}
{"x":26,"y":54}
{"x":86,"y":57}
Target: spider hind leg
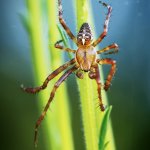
{"x":56,"y":86}
{"x":50,"y":77}
{"x":97,"y":78}
{"x":112,"y":71}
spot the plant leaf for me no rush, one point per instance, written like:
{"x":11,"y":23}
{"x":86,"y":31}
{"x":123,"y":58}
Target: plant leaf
{"x":65,"y":39}
{"x":103,"y":130}
{"x":63,"y":36}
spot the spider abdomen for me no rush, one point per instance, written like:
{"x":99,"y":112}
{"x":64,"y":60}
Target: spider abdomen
{"x":85,"y":57}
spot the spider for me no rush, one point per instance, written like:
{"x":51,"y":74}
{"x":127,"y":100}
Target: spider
{"x":85,"y":61}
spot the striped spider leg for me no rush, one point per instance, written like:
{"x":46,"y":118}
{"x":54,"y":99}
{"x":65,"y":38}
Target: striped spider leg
{"x":95,"y":74}
{"x":111,"y":62}
{"x":63,"y":23}
{"x":104,"y":33}
{"x":44,"y":85}
{"x":56,"y":86}
{"x":50,"y":77}
{"x":113,"y":46}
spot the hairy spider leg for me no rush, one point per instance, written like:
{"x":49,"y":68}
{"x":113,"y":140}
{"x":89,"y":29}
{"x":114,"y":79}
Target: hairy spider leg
{"x":113,"y":46}
{"x":63,"y":48}
{"x":104,"y":33}
{"x":111,"y":62}
{"x":50,"y":77}
{"x":97,"y":78}
{"x":62,"y":22}
{"x":57,"y":84}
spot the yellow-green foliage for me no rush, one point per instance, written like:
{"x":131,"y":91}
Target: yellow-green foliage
{"x":57,"y":128}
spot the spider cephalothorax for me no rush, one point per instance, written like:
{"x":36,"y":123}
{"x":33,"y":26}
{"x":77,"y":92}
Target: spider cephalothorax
{"x":85,"y":60}
{"x":84,"y":36}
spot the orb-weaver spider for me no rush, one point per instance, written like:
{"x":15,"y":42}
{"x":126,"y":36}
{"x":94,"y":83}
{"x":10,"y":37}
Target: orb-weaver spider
{"x":85,"y":60}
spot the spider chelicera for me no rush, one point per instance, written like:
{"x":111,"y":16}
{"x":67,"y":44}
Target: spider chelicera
{"x":85,"y":61}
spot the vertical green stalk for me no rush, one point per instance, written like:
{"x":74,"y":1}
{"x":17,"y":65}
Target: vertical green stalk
{"x":86,"y":88}
{"x":57,"y":123}
{"x":38,"y":56}
{"x":61,"y":104}
{"x":92,"y":118}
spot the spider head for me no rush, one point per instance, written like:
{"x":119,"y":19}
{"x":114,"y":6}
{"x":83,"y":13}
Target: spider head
{"x":84,"y":36}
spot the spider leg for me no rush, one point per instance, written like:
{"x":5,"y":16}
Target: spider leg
{"x":104,"y":33}
{"x":111,"y":62}
{"x":61,"y":20}
{"x":113,"y":46}
{"x":50,"y":77}
{"x":63,"y":48}
{"x":57,"y":84}
{"x":97,"y":78}
{"x":80,"y":74}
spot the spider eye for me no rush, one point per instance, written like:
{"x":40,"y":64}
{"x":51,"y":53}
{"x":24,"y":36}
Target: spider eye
{"x":87,"y":37}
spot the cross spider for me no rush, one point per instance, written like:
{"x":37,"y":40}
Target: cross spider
{"x":85,"y":60}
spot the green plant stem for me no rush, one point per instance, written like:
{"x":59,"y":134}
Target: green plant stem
{"x":40,"y":66}
{"x":92,"y":118}
{"x":61,"y":107}
{"x":100,"y":115}
{"x":85,"y":88}
{"x":57,"y":126}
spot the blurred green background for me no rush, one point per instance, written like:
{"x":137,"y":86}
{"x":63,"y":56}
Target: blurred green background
{"x":129,"y":95}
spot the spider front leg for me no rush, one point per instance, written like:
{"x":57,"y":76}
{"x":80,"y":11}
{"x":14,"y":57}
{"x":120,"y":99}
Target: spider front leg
{"x":112,"y":46}
{"x":61,"y":20}
{"x":50,"y":77}
{"x":57,"y":84}
{"x":63,"y":48}
{"x":111,"y":62}
{"x":104,"y":33}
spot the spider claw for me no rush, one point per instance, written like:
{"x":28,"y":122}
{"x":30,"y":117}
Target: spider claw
{"x":28,"y":90}
{"x":106,"y":88}
{"x":102,"y":107}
